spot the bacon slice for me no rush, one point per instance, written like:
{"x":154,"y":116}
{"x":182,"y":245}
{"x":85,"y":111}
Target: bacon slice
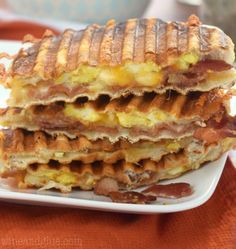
{"x":131,"y":197}
{"x":210,"y":135}
{"x":173,"y":190}
{"x":217,"y":130}
{"x":214,"y":65}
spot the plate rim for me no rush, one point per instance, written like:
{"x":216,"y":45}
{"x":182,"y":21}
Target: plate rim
{"x":42,"y":199}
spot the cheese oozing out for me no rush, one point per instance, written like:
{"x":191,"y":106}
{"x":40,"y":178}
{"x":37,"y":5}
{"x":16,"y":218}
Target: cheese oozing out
{"x":147,"y":74}
{"x":144,"y":74}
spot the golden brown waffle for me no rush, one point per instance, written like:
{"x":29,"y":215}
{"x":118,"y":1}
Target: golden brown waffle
{"x":151,"y":116}
{"x":20,"y":148}
{"x":137,"y":56}
{"x":128,"y":175}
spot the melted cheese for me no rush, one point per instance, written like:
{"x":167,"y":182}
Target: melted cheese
{"x":222,"y":76}
{"x":143,"y":74}
{"x":63,"y":177}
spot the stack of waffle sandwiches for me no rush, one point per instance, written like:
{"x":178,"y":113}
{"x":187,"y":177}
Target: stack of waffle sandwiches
{"x":119,"y":106}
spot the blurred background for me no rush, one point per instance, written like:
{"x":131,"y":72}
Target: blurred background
{"x":98,"y":11}
{"x":18,"y":15}
{"x":61,"y":14}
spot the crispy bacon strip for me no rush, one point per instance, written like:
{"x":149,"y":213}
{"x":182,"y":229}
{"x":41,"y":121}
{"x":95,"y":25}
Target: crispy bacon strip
{"x":210,"y":135}
{"x":173,"y":190}
{"x":214,"y":65}
{"x":132,"y":197}
{"x":214,"y":131}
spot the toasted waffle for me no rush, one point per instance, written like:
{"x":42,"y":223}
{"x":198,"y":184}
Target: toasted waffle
{"x":131,"y":57}
{"x":19,"y":148}
{"x":128,"y":175}
{"x":151,"y":116}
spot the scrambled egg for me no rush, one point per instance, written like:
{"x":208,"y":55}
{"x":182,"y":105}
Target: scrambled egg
{"x":84,"y":114}
{"x":185,"y":60}
{"x":144,"y":74}
{"x":136,"y":118}
{"x":173,"y":146}
{"x":88,"y":115}
{"x":63,"y":177}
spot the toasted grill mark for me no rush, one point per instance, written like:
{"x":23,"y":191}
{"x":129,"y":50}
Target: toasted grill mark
{"x":205,"y":37}
{"x":161,"y":41}
{"x":73,"y":50}
{"x":182,"y":37}
{"x":117,"y":43}
{"x":150,"y":40}
{"x":146,"y":101}
{"x":159,"y":101}
{"x":129,"y":40}
{"x":25,"y":60}
{"x":50,"y":58}
{"x":106,"y":44}
{"x":94,"y":49}
{"x":139,"y":40}
{"x":41,"y":57}
{"x":172,"y":39}
{"x":85,"y":44}
{"x":61,"y":60}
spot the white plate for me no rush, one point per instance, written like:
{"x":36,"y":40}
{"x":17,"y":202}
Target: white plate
{"x":203,"y":181}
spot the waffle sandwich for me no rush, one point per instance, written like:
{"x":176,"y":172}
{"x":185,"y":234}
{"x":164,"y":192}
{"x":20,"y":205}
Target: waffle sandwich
{"x":151,"y":116}
{"x":130,"y":103}
{"x":137,"y":56}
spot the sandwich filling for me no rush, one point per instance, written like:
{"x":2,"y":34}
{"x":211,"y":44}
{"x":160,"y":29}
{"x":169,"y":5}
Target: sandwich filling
{"x":91,"y":81}
{"x":66,"y":176}
{"x":151,"y":116}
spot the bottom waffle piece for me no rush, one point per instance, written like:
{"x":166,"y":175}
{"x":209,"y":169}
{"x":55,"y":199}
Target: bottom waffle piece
{"x":127,"y":175}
